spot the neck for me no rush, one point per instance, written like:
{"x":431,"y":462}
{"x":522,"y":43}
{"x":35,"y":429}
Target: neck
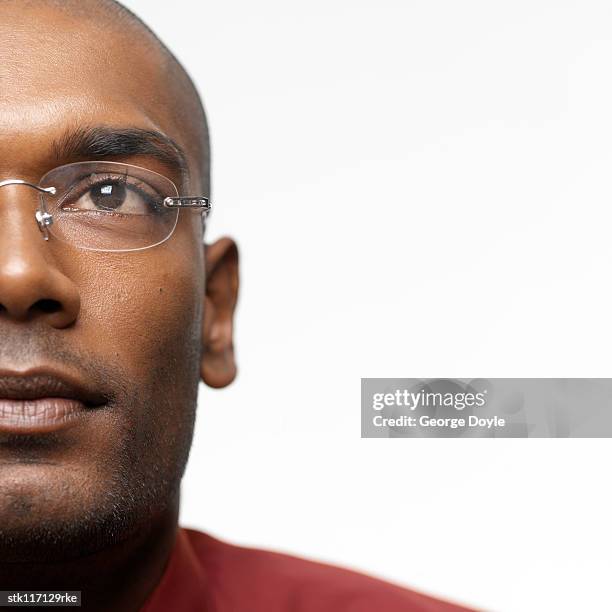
{"x":118,"y":578}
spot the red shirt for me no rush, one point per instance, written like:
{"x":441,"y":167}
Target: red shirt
{"x":205,"y":574}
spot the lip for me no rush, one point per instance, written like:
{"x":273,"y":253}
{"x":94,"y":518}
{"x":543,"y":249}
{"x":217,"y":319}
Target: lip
{"x":42,"y":401}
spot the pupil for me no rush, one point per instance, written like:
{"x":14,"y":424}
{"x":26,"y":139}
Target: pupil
{"x":108,"y":196}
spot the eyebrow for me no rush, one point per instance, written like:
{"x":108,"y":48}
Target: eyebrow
{"x":100,"y":142}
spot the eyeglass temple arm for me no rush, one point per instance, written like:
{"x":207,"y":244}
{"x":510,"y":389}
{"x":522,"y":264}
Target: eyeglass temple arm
{"x":189,"y":202}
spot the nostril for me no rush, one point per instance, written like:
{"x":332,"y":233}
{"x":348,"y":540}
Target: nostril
{"x":47,"y":306}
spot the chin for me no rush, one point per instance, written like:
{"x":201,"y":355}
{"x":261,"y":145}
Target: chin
{"x":49,"y":513}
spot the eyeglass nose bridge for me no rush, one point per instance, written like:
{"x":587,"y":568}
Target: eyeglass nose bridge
{"x":43,"y":218}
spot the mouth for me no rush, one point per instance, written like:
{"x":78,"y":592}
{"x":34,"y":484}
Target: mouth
{"x":41,"y":401}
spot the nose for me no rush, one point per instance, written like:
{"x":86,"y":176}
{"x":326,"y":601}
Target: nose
{"x":31,"y":285}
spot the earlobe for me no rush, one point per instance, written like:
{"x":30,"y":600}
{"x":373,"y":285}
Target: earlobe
{"x":218,"y":365}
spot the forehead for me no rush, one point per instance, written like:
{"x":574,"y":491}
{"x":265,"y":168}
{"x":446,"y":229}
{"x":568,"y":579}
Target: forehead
{"x":59,"y":71}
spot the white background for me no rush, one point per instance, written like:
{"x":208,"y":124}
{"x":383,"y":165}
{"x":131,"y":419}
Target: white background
{"x":418,"y":189}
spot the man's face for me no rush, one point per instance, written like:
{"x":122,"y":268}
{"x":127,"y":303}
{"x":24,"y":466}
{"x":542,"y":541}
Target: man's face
{"x":126,"y":326}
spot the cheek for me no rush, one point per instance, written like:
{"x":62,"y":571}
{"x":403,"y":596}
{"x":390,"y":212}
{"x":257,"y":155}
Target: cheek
{"x":142,"y":310}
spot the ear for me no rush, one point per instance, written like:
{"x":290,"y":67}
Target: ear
{"x":218,"y":366}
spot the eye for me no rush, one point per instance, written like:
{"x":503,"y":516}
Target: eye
{"x":110,"y":195}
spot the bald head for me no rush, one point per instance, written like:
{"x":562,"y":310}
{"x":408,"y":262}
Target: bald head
{"x":106,"y":37}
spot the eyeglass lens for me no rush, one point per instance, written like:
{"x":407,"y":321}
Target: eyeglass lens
{"x":108,"y":206}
